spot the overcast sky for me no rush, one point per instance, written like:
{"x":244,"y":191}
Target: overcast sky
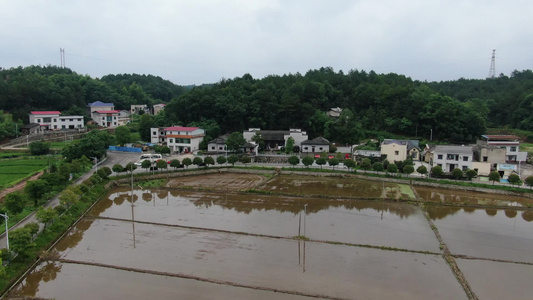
{"x":195,"y":42}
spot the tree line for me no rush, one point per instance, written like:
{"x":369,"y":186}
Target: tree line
{"x":373,"y":104}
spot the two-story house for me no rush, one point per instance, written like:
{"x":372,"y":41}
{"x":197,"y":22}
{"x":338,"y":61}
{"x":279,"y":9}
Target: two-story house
{"x":451,"y":157}
{"x":400,"y":150}
{"x":106,"y":118}
{"x":511,"y":144}
{"x":178,"y":138}
{"x":52,"y":120}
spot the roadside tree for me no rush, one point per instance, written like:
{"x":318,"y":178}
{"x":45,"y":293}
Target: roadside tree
{"x":146,"y":164}
{"x":529,"y":181}
{"x":130,"y":167}
{"x":392,"y":168}
{"x":235,"y":140}
{"x":123,"y":135}
{"x":289,"y":145}
{"x":349,"y":163}
{"x":209,"y":160}
{"x":68,"y":197}
{"x":320,"y":161}
{"x":377,"y":166}
{"x":186,"y":162}
{"x":436,"y":171}
{"x":514,"y":179}
{"x":232,"y":159}
{"x":197,"y":161}
{"x":422,"y":170}
{"x":161,"y":164}
{"x":175,"y":164}
{"x":245,"y":159}
{"x":118,"y":168}
{"x":494,"y":176}
{"x":366,"y":164}
{"x":333,"y":162}
{"x":408,"y":169}
{"x":307,"y":161}
{"x":20,"y":242}
{"x":36,"y":189}
{"x":221,"y":160}
{"x":457,"y":173}
{"x":294,"y":160}
{"x":46,"y":215}
{"x":470,"y":174}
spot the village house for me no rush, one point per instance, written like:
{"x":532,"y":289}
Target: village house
{"x":511,"y":143}
{"x":179,"y":139}
{"x":52,"y":120}
{"x":158,"y":108}
{"x":99,"y":105}
{"x":400,"y":150}
{"x":449,"y":157}
{"x":275,"y":139}
{"x":136,"y":108}
{"x":106,"y":118}
{"x":315,"y":145}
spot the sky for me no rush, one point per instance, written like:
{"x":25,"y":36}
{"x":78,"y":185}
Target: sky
{"x":196,"y":41}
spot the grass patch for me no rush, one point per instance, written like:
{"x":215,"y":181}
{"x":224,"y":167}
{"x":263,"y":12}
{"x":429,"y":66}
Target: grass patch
{"x":152,"y":183}
{"x":13,"y":171}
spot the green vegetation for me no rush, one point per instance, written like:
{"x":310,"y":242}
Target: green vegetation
{"x":14,"y":171}
{"x":152,"y":183}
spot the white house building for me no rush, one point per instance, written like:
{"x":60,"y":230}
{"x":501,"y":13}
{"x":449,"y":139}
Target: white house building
{"x":138,"y":107}
{"x":315,"y":145}
{"x":451,"y":157}
{"x":512,"y":145}
{"x":106,"y":118}
{"x":52,"y":120}
{"x":179,"y":139}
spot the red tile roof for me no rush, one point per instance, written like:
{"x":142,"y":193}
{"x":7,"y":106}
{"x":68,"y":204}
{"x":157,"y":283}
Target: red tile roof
{"x":180,"y":128}
{"x":45,"y":112}
{"x":501,"y":137}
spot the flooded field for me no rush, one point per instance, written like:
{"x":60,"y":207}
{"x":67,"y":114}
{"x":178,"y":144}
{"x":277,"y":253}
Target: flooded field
{"x":195,"y":244}
{"x":485,"y":233}
{"x":340,"y":187}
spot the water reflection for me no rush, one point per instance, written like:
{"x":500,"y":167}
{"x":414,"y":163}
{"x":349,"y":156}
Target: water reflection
{"x":248,"y":203}
{"x":469,"y":197}
{"x":440,"y":212}
{"x":30,"y":285}
{"x":75,"y":235}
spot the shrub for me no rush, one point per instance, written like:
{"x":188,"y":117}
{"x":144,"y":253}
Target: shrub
{"x":436,"y":171}
{"x":457,"y":173}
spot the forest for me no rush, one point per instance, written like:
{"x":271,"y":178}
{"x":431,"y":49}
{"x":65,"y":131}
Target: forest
{"x":373,"y":104}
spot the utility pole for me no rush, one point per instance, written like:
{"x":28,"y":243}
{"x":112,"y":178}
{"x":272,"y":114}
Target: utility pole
{"x":492,"y":71}
{"x":62,"y":57}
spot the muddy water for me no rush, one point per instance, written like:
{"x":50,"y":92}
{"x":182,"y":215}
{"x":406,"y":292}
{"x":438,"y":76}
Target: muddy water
{"x":73,"y":281}
{"x":486,"y":233}
{"x":321,"y":269}
{"x":223,"y":181}
{"x":388,"y":224}
{"x":497,"y":280}
{"x":336,"y":186}
{"x":465,"y":197}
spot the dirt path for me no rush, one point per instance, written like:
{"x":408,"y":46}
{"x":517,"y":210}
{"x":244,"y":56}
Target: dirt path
{"x":19,"y":186}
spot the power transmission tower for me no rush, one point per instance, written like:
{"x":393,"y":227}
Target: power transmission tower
{"x":492,"y":71}
{"x":62,"y":56}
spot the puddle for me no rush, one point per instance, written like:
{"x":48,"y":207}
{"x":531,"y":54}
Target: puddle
{"x":365,"y":222}
{"x":497,"y":280}
{"x":486,"y":233}
{"x":320,"y":269}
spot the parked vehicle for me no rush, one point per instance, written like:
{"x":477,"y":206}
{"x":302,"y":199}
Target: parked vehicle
{"x":153,"y":158}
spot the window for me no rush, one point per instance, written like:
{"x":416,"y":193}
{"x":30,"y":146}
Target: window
{"x":465,"y":158}
{"x":170,"y":140}
{"x":465,"y":168}
{"x":38,"y":120}
{"x":62,"y":120}
{"x":212,"y":147}
{"x":439,"y":156}
{"x":513,"y":149}
{"x":47,"y":120}
{"x":55,"y":120}
{"x":305,"y":148}
{"x":485,"y":158}
{"x":71,"y":120}
{"x":396,"y":152}
{"x":55,"y":126}
{"x":154,"y":133}
{"x":103,"y":118}
{"x":115,"y":123}
{"x":440,"y":165}
{"x":79,"y":120}
{"x":62,"y":126}
{"x":320,"y":148}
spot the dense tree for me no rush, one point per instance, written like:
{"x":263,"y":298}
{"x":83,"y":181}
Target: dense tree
{"x":146,"y":122}
{"x":235,"y":140}
{"x":118,"y":168}
{"x":36,"y":189}
{"x":378,"y":166}
{"x":308,"y":161}
{"x":46,"y":215}
{"x":245,"y":159}
{"x":20,"y":242}
{"x":14,"y":203}
{"x":146,"y":164}
{"x":197,"y":161}
{"x":349,"y":163}
{"x":39,"y":148}
{"x":161,"y":164}
{"x":123,"y":135}
{"x":289,"y":145}
{"x":408,"y":169}
{"x":366,"y":164}
{"x":470,"y":174}
{"x":392,"y":168}
{"x":68,"y":197}
{"x":208,"y":160}
{"x":130,"y":167}
{"x":321,"y":161}
{"x":333,"y":162}
{"x":93,"y":144}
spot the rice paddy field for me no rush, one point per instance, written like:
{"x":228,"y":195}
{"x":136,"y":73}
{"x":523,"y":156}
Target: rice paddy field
{"x":15,"y":170}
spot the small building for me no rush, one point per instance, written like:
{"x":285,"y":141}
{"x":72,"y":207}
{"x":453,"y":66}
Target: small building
{"x":315,"y":145}
{"x":178,"y":138}
{"x":136,"y":108}
{"x":335,"y":112}
{"x":158,"y":108}
{"x":32,"y":128}
{"x":69,"y":122}
{"x":361,"y":154}
{"x":400,"y":150}
{"x":106,"y":118}
{"x":492,"y":154}
{"x":451,"y":157}
{"x":123,"y":117}
{"x":218,"y":144}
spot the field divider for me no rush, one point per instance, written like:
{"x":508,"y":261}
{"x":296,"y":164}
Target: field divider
{"x":197,"y":278}
{"x":463,"y":256}
{"x":385,"y":248}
